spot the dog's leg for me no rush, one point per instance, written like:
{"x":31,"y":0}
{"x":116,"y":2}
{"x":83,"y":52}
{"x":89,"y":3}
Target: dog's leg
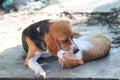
{"x":34,"y":65}
{"x":46,"y":54}
{"x":31,"y":60}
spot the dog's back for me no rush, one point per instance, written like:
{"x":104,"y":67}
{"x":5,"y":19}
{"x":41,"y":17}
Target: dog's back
{"x":36,"y":33}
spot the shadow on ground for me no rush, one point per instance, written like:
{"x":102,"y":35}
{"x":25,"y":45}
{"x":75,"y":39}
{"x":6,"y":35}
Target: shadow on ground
{"x":11,"y":63}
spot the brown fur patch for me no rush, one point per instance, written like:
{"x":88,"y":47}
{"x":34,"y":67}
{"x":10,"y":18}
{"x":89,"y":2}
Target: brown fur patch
{"x":100,"y":48}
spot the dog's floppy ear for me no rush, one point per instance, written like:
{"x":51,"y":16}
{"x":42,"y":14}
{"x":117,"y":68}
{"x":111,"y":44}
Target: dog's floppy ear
{"x":75,"y":34}
{"x":51,"y":44}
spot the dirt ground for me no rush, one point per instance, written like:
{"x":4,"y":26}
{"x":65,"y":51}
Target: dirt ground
{"x":12,"y":53}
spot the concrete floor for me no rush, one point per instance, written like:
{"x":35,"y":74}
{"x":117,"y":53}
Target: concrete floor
{"x":11,"y":61}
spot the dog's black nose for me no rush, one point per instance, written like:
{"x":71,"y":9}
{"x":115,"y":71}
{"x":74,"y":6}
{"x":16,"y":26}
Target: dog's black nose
{"x":75,"y":50}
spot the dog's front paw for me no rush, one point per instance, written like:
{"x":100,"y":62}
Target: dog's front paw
{"x":40,"y":74}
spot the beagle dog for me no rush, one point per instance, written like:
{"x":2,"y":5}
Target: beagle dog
{"x":46,"y":38}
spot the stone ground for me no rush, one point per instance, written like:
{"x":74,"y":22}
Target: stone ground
{"x":11,"y":58}
{"x":12,"y":53}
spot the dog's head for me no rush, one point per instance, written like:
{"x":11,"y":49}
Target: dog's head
{"x":60,"y":36}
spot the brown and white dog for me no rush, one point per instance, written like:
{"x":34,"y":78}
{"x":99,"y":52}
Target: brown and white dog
{"x":90,"y":48}
{"x":46,"y":38}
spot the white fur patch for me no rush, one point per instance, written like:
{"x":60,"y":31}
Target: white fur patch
{"x":60,"y":53}
{"x":82,"y":44}
{"x":32,"y":63}
{"x":36,"y":67}
{"x":79,"y":55}
{"x":37,"y":55}
{"x":46,"y":54}
{"x":72,"y":47}
{"x":38,"y":29}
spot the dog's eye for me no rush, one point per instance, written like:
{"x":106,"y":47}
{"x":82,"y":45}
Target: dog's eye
{"x":65,"y":41}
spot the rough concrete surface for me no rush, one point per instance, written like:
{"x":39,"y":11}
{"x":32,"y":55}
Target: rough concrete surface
{"x":11,"y":61}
